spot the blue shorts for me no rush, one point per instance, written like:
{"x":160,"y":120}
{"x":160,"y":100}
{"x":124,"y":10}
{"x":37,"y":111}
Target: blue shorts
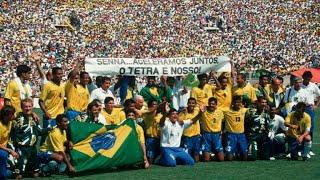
{"x":191,"y":144}
{"x":212,"y":142}
{"x":44,"y":157}
{"x":294,"y":146}
{"x":236,"y":143}
{"x":152,"y":147}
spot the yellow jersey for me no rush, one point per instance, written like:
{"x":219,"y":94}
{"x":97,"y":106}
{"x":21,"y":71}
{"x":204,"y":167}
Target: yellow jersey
{"x":116,"y":116}
{"x":5,"y":133}
{"x":140,"y":133}
{"x":304,"y":124}
{"x":224,"y":98}
{"x":247,"y":92}
{"x":152,"y":121}
{"x":12,"y":92}
{"x":202,"y":95}
{"x":193,"y":129}
{"x":77,"y":97}
{"x":212,"y":121}
{"x":52,"y":96}
{"x":234,"y":120}
{"x":55,"y":141}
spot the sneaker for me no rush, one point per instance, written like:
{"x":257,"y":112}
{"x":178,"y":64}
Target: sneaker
{"x":288,"y":156}
{"x":272,"y":158}
{"x":312,"y":153}
{"x":299,"y":154}
{"x":308,"y":156}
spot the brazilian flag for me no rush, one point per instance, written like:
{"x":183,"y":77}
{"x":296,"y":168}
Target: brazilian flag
{"x":98,"y":147}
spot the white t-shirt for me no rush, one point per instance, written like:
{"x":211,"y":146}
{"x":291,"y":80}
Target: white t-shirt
{"x":171,"y":133}
{"x":277,"y":123}
{"x":313,"y":92}
{"x":293,"y":96}
{"x":100,"y":94}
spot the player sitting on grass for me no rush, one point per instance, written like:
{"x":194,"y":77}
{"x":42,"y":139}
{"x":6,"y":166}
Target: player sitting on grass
{"x":299,"y":124}
{"x":54,"y":149}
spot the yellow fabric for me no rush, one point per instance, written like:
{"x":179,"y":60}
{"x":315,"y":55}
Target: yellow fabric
{"x":129,"y":93}
{"x":247,"y":90}
{"x":13,"y":93}
{"x":224,"y":98}
{"x":77,"y":97}
{"x":53,"y":97}
{"x":212,"y":121}
{"x":193,"y":129}
{"x":5,"y":133}
{"x":115,"y":117}
{"x":55,"y":141}
{"x":303,"y":124}
{"x":202,"y":95}
{"x":140,"y":133}
{"x":152,"y":124}
{"x":154,"y":91}
{"x":234,"y":120}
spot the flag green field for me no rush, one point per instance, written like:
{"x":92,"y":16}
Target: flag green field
{"x":98,"y":147}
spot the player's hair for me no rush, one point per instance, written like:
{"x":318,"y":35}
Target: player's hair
{"x":93,"y":103}
{"x":150,"y":103}
{"x":260,"y":98}
{"x":192,"y":99}
{"x":99,"y":81}
{"x":263,"y":76}
{"x":172,"y":111}
{"x":201,"y":76}
{"x":82,"y":73}
{"x":55,"y":70}
{"x":212,"y":99}
{"x":105,"y":78}
{"x":127,"y":102}
{"x":243,"y":76}
{"x":130,"y":111}
{"x":307,"y":74}
{"x":108,"y":99}
{"x":236,"y":98}
{"x":60,"y":117}
{"x":27,"y":100}
{"x":22,"y":69}
{"x":6,"y":110}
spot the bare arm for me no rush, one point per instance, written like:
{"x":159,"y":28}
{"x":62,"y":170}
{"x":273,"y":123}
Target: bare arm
{"x":43,"y":108}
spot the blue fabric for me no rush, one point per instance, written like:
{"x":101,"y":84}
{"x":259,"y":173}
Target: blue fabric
{"x":152,"y":147}
{"x":3,"y":163}
{"x":212,"y":142}
{"x":104,"y":141}
{"x":48,"y":122}
{"x":124,"y":88}
{"x":191,"y":144}
{"x":236,"y":143}
{"x":171,"y":156}
{"x":294,"y":146}
{"x":44,"y":157}
{"x":312,"y":115}
{"x":71,"y":114}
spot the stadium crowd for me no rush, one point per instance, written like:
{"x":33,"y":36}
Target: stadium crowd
{"x":222,"y":118}
{"x":254,"y":34}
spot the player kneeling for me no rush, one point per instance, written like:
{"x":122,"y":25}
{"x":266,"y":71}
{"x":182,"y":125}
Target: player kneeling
{"x":299,"y":124}
{"x":171,"y":132}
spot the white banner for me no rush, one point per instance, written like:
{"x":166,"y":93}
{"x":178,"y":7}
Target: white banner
{"x":156,"y":66}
